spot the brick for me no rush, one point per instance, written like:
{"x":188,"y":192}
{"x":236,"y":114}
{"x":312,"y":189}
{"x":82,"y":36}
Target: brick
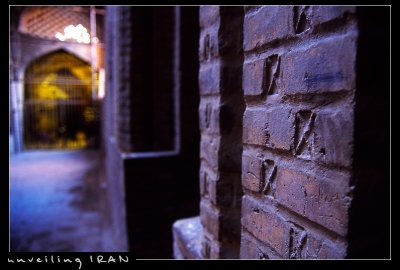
{"x":322,"y":14}
{"x":254,"y":124}
{"x":203,"y":179}
{"x":318,"y":247}
{"x":266,"y":25}
{"x":210,"y":248}
{"x":258,"y":174}
{"x":253,"y":77}
{"x":221,"y":224}
{"x":329,"y":126}
{"x":252,"y":173}
{"x":273,"y":128}
{"x":307,"y":243}
{"x":301,"y":19}
{"x":209,"y":78}
{"x":209,"y":149}
{"x":326,"y":66}
{"x":208,"y":47}
{"x":214,"y":249}
{"x":261,"y":76}
{"x":208,"y":15}
{"x":319,"y":196}
{"x":209,"y":116}
{"x":210,"y":218}
{"x":300,"y":243}
{"x":303,"y":141}
{"x":251,"y":248}
{"x":249,"y":8}
{"x":265,"y":224}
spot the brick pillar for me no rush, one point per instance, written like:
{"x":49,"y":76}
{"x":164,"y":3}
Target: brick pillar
{"x":121,"y":72}
{"x":299,"y":84}
{"x":221,"y":109}
{"x":113,"y":162}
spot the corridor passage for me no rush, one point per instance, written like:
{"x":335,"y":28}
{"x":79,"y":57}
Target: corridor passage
{"x":58,"y":202}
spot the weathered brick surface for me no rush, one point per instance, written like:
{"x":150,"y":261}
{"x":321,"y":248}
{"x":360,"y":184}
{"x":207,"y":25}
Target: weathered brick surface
{"x":253,"y":77}
{"x":209,"y":78}
{"x":265,"y":25}
{"x":218,"y":190}
{"x":208,"y":46}
{"x":251,"y":248}
{"x":262,"y":76}
{"x":123,"y":94}
{"x":220,"y":115}
{"x":297,"y":200}
{"x":210,"y":248}
{"x":252,"y":173}
{"x":208,"y":15}
{"x":209,"y":148}
{"x":219,"y":223}
{"x":324,"y":66}
{"x":318,"y":247}
{"x":273,"y":128}
{"x":281,"y":237}
{"x":329,"y":126}
{"x":265,"y":224}
{"x":203,"y":181}
{"x":295,"y":172}
{"x":209,"y":112}
{"x":320,"y":196}
{"x":319,"y":14}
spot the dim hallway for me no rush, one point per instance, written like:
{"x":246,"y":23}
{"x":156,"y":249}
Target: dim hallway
{"x":58,"y":202}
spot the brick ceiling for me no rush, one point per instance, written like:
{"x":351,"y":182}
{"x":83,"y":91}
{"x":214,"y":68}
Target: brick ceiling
{"x":45,"y":22}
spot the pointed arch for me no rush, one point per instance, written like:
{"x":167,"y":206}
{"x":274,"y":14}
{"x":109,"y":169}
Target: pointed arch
{"x":57,"y":101}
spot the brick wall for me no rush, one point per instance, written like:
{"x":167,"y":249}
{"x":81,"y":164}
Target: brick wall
{"x":299,"y":85}
{"x":221,"y":109}
{"x":287,"y":165}
{"x":122,"y":71}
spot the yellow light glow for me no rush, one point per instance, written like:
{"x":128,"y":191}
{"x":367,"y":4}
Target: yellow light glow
{"x":78,"y":33}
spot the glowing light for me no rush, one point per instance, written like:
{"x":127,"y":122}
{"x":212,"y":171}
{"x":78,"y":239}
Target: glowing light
{"x":78,"y":33}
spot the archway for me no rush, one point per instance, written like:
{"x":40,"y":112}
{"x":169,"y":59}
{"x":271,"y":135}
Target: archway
{"x":58,"y":109}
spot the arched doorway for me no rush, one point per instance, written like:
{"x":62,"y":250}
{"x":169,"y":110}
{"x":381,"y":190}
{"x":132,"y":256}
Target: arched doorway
{"x":58,"y":108}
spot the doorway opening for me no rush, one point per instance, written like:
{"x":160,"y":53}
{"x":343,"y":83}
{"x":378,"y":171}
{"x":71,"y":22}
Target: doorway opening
{"x":59,"y":112}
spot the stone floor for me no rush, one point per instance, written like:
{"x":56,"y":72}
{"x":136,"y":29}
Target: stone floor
{"x":58,"y":203}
